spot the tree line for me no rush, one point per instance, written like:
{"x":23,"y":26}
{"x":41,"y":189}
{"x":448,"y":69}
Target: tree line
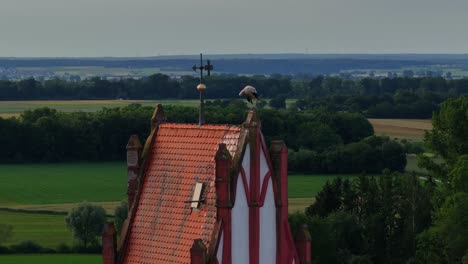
{"x":319,"y":140}
{"x":387,"y":97}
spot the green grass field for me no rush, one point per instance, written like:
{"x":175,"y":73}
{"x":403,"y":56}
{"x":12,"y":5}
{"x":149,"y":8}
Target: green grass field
{"x":47,"y":230}
{"x":62,"y":183}
{"x":14,"y":108}
{"x":302,"y":186}
{"x":51,"y":259}
{"x":8,"y":108}
{"x":59,"y":187}
{"x":25,"y":184}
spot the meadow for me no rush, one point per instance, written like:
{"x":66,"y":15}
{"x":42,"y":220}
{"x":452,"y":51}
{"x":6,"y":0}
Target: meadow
{"x":59,"y":187}
{"x":61,"y":183}
{"x":302,"y":186}
{"x":47,"y":186}
{"x":51,"y":259}
{"x":15,"y":108}
{"x":45,"y":229}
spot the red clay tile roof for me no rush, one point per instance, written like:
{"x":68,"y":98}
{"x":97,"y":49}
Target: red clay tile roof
{"x":164,"y":225}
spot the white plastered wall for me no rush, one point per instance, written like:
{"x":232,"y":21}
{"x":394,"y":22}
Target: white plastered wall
{"x":268,"y":228}
{"x":263,"y":167}
{"x":240,"y":226}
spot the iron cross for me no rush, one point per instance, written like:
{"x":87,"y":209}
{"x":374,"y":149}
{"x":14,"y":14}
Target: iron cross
{"x":208,"y":68}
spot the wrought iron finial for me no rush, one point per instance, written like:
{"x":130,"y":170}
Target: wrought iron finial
{"x":202,"y":87}
{"x":208,"y":68}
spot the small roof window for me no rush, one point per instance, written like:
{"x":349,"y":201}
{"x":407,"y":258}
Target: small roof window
{"x":197,"y":194}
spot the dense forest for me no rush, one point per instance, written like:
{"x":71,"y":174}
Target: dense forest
{"x":387,"y":97}
{"x":319,"y":140}
{"x":399,"y":218}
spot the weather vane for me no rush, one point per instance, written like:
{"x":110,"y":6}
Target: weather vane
{"x":201,"y":87}
{"x":208,"y":68}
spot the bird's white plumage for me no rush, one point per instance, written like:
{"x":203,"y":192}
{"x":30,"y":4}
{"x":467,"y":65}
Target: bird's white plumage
{"x":250,"y":93}
{"x":248,"y":90}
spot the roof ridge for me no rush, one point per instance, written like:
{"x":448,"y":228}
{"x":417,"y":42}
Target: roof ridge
{"x":196,"y":126}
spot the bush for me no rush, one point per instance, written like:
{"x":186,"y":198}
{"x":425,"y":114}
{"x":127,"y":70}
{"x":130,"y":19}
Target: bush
{"x":412,"y":147}
{"x":93,"y":249}
{"x":63,"y":248}
{"x":278,"y":102}
{"x":29,"y":247}
{"x":4,"y":250}
{"x":370,"y":155}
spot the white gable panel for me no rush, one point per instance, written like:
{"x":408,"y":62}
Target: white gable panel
{"x":246,"y":163}
{"x":219,"y":254}
{"x":268,"y":228}
{"x":263,"y":167}
{"x":240,"y":226}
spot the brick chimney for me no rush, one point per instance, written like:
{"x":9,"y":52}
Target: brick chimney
{"x":109,"y":244}
{"x":223,"y":164}
{"x":133,"y":167}
{"x":223,"y":195}
{"x":198,"y":252}
{"x":303,"y":246}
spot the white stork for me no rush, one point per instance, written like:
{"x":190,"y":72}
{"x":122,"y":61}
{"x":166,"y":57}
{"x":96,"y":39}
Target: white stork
{"x":249,"y":92}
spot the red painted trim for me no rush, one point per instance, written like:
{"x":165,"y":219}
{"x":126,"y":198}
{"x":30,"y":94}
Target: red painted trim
{"x":246,"y":186}
{"x":254,"y":209}
{"x":292,"y":252}
{"x":254,"y":167}
{"x":265,"y":183}
{"x":227,"y":243}
{"x":220,"y":234}
{"x":265,"y":150}
{"x":254,"y":241}
{"x":270,"y":169}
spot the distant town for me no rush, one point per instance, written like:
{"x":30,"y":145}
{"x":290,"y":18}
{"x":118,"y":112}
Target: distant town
{"x":347,"y":66}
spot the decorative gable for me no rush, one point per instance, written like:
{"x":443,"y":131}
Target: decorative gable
{"x":209,"y":194}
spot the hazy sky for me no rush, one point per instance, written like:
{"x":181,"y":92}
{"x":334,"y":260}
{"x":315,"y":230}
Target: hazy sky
{"x":166,"y":27}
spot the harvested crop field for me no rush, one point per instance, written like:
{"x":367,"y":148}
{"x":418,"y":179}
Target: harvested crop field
{"x":412,"y":129}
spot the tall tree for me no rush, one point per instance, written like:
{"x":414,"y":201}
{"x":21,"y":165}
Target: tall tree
{"x":448,"y":138}
{"x":86,"y":222}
